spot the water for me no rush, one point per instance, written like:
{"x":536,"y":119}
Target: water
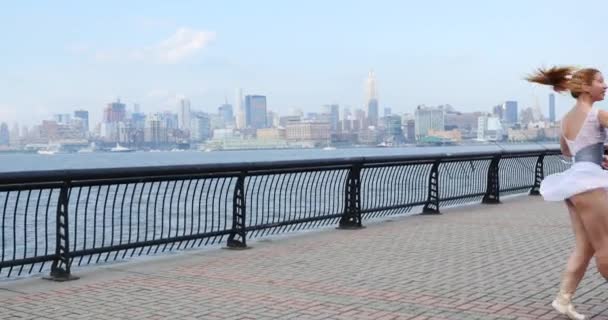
{"x":12,"y":162}
{"x":108,"y":215}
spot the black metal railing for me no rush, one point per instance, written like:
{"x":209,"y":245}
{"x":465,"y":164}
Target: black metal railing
{"x":57,"y":219}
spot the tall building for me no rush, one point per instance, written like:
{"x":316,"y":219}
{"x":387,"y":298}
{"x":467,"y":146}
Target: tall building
{"x":170,"y":120}
{"x":201,"y":127}
{"x":387,"y":112}
{"x":255,"y":111}
{"x":333,"y":112}
{"x":241,"y":122}
{"x":428,"y":118}
{"x":14,"y":136}
{"x":552,"y":107}
{"x":498,"y":111}
{"x":372,"y":100}
{"x":4,"y":134}
{"x":155,"y":131}
{"x":411,"y":130}
{"x":115,"y":112}
{"x":394,"y":128}
{"x":83,"y":115}
{"x":511,"y":112}
{"x":62,"y":118}
{"x":184,"y":115}
{"x":226,"y":114}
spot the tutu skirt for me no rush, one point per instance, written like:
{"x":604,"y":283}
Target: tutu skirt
{"x":580,"y":177}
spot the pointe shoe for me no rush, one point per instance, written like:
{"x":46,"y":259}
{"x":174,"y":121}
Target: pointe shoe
{"x":565,"y":307}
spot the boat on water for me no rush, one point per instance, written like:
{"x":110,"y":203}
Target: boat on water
{"x":120,"y":148}
{"x":47,"y":152}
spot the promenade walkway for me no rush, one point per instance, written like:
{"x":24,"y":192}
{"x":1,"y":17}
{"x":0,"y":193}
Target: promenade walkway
{"x":479,"y":262}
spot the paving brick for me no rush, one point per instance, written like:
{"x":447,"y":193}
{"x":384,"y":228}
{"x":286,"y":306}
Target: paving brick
{"x":479,"y":262}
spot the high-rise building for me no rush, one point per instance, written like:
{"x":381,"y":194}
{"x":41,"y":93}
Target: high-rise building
{"x":170,"y":120}
{"x":387,"y":112}
{"x":226,"y":114}
{"x":428,"y":118}
{"x":115,"y":112}
{"x":14,"y":135}
{"x":498,"y":111}
{"x":255,"y":111}
{"x":83,"y":115}
{"x":552,"y":107}
{"x":4,"y":135}
{"x":201,"y":127}
{"x":372,"y":100}
{"x":411,"y":130}
{"x":184,"y":115}
{"x":510,"y":112}
{"x":155,"y":131}
{"x":394,"y":128}
{"x":241,"y":122}
{"x":62,"y":118}
{"x":333,"y":116}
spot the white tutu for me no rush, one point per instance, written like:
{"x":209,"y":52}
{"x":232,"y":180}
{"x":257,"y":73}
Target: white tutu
{"x":581,"y":177}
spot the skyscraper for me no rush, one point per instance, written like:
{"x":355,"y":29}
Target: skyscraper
{"x":511,"y":112}
{"x":184,"y":115}
{"x":226,"y":113}
{"x":83,"y":115}
{"x":62,"y":118}
{"x":241,"y":122}
{"x":498,"y":111}
{"x":115,"y":112}
{"x":387,"y":112}
{"x":552,"y":107}
{"x":255,"y":111}
{"x":428,"y":118}
{"x":14,"y":135}
{"x":372,"y":100}
{"x":333,"y":111}
{"x":4,"y":134}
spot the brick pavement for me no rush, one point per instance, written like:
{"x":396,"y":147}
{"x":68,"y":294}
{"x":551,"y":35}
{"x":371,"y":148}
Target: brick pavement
{"x":478,"y":262}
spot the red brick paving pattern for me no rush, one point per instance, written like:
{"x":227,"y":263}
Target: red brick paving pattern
{"x":480,"y":262}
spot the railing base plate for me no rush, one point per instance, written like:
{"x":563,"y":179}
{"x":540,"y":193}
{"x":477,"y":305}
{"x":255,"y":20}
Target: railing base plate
{"x":61,"y":277}
{"x":236,"y":245}
{"x":349,"y":227}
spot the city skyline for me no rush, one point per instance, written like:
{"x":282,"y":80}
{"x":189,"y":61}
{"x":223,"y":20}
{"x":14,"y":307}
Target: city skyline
{"x":156,"y":54}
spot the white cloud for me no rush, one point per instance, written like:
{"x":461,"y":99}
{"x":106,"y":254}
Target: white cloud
{"x":183,"y":44}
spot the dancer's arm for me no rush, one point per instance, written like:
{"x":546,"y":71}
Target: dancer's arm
{"x":602,"y":116}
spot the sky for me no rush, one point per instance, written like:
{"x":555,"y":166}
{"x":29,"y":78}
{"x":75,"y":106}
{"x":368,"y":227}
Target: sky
{"x":59,"y":56}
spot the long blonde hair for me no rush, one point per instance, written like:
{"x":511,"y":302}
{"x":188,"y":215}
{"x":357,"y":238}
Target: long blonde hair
{"x":564,"y":78}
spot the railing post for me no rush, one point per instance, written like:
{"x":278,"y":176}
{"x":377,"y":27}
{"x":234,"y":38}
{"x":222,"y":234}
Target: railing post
{"x":60,"y":269}
{"x":492,"y":195}
{"x":432,"y":199}
{"x":351,"y":218}
{"x":238,"y":236}
{"x":539,"y":175}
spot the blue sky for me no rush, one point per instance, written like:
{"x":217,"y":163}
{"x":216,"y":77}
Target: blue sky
{"x":58,"y":56}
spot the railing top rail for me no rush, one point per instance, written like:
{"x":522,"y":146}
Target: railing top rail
{"x":11,"y":178}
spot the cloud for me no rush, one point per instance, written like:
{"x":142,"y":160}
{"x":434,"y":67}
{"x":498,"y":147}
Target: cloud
{"x":181,"y":45}
{"x":184,"y":43}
